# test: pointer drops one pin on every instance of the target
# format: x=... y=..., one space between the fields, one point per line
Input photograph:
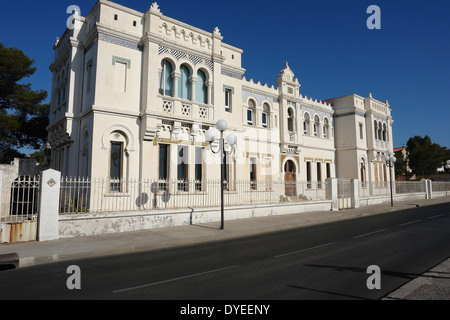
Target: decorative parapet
x=315 y=102
x=258 y=85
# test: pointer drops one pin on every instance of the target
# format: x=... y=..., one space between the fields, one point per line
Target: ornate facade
x=134 y=93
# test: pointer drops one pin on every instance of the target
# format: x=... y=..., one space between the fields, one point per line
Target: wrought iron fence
x=104 y=195
x=440 y=186
x=367 y=189
x=409 y=187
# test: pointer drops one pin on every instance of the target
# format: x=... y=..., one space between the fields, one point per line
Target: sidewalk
x=33 y=253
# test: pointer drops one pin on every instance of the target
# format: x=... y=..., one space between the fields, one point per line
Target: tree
x=424 y=156
x=23 y=117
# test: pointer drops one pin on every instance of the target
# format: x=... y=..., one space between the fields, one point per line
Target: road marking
x=368 y=234
x=439 y=215
x=316 y=247
x=172 y=280
x=411 y=222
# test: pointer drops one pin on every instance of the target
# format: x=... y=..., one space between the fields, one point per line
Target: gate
x=344 y=194
x=19 y=213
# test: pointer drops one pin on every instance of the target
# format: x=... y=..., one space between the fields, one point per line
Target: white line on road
x=316 y=247
x=411 y=222
x=368 y=234
x=172 y=280
x=439 y=215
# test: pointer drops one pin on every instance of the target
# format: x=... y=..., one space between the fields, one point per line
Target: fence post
x=332 y=193
x=430 y=189
x=425 y=182
x=48 y=214
x=355 y=193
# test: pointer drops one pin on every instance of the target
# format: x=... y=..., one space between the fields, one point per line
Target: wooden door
x=290 y=179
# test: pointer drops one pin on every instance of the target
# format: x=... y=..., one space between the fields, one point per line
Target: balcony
x=186 y=110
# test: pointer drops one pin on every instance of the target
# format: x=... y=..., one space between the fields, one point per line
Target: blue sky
x=326 y=43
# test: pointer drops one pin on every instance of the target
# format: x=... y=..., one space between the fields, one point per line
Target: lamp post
x=210 y=137
x=390 y=162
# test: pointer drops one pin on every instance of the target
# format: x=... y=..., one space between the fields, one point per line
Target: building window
x=184 y=83
x=163 y=167
x=361 y=131
x=251 y=112
x=316 y=126
x=319 y=175
x=228 y=95
x=264 y=120
x=291 y=120
x=265 y=115
x=166 y=81
x=328 y=170
x=375 y=127
x=308 y=174
x=201 y=91
x=253 y=182
x=306 y=124
x=198 y=168
x=183 y=184
x=325 y=128
x=384 y=132
x=116 y=17
x=89 y=76
x=380 y=131
x=363 y=174
x=249 y=117
x=115 y=169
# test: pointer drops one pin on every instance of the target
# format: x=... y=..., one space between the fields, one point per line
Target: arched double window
x=166 y=80
x=201 y=90
x=291 y=118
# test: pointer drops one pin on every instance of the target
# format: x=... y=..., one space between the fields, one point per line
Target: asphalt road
x=327 y=261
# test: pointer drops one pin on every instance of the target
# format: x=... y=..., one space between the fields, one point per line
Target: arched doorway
x=363 y=173
x=290 y=178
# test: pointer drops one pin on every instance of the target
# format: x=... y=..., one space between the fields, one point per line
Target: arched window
x=251 y=112
x=166 y=80
x=325 y=128
x=375 y=128
x=384 y=132
x=184 y=83
x=291 y=118
x=266 y=115
x=316 y=126
x=363 y=173
x=380 y=131
x=63 y=87
x=201 y=91
x=118 y=161
x=306 y=124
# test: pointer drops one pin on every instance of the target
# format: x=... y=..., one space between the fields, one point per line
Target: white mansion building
x=134 y=93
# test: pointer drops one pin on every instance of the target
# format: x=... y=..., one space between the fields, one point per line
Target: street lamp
x=210 y=137
x=390 y=162
x=447 y=165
